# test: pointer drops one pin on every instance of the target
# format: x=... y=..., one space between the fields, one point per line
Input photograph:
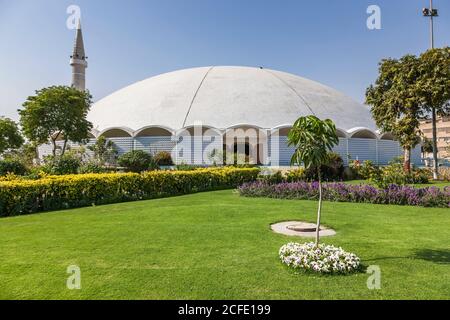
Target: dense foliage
x=60 y=192
x=331 y=170
x=137 y=161
x=408 y=90
x=341 y=192
x=163 y=158
x=395 y=103
x=68 y=163
x=12 y=167
x=10 y=137
x=433 y=90
x=391 y=174
x=92 y=166
x=57 y=112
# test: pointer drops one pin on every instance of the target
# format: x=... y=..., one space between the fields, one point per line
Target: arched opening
x=153 y=132
x=154 y=140
x=388 y=136
x=116 y=133
x=245 y=144
x=364 y=134
x=205 y=131
x=341 y=133
x=121 y=137
x=281 y=131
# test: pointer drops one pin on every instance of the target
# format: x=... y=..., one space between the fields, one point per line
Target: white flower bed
x=322 y=259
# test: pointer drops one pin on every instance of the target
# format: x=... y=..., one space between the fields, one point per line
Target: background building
x=241 y=109
x=443 y=134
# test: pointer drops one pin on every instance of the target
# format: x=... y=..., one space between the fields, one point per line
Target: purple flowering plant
x=342 y=192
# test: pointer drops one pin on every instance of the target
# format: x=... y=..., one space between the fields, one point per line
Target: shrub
x=104 y=151
x=69 y=163
x=61 y=192
x=271 y=177
x=12 y=166
x=444 y=173
x=319 y=259
x=137 y=161
x=368 y=170
x=332 y=171
x=163 y=158
x=91 y=167
x=341 y=192
x=395 y=174
x=187 y=167
x=278 y=176
x=10 y=177
x=295 y=175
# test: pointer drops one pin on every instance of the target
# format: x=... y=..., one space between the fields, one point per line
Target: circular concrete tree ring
x=301 y=229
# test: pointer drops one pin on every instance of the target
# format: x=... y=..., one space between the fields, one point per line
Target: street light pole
x=431 y=13
x=432 y=24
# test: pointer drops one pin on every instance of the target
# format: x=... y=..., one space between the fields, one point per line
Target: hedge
x=71 y=191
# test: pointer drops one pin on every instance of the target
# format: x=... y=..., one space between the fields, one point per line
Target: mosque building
x=195 y=113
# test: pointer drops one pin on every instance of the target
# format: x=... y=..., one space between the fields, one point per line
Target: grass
x=219 y=246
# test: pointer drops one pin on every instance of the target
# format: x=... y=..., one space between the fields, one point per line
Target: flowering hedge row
x=341 y=192
x=60 y=192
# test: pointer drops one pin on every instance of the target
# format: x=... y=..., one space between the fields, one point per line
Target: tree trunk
x=54 y=147
x=319 y=211
x=407 y=161
x=435 y=148
x=64 y=147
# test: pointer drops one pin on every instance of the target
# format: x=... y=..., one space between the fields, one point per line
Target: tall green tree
x=10 y=137
x=56 y=113
x=433 y=89
x=313 y=139
x=395 y=103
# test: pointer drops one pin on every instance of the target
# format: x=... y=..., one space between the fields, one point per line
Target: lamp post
x=431 y=13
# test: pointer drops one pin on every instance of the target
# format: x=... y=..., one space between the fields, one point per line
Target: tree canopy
x=313 y=139
x=56 y=113
x=395 y=103
x=10 y=137
x=433 y=85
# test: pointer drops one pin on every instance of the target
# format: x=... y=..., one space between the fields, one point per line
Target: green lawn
x=219 y=246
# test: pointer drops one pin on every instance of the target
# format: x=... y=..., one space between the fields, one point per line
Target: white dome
x=224 y=97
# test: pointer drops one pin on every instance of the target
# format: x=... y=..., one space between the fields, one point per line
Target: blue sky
x=127 y=41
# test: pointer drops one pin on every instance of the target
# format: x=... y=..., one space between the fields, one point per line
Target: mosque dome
x=226 y=97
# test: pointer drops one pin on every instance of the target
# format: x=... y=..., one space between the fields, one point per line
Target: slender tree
x=395 y=103
x=313 y=139
x=56 y=113
x=10 y=137
x=427 y=146
x=433 y=89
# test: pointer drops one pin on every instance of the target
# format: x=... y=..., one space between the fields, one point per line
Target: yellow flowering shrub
x=19 y=197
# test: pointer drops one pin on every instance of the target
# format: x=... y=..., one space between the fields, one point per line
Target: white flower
x=322 y=259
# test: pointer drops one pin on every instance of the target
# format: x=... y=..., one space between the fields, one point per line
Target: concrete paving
x=291 y=228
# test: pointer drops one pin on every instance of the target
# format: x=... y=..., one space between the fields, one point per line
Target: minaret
x=78 y=61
